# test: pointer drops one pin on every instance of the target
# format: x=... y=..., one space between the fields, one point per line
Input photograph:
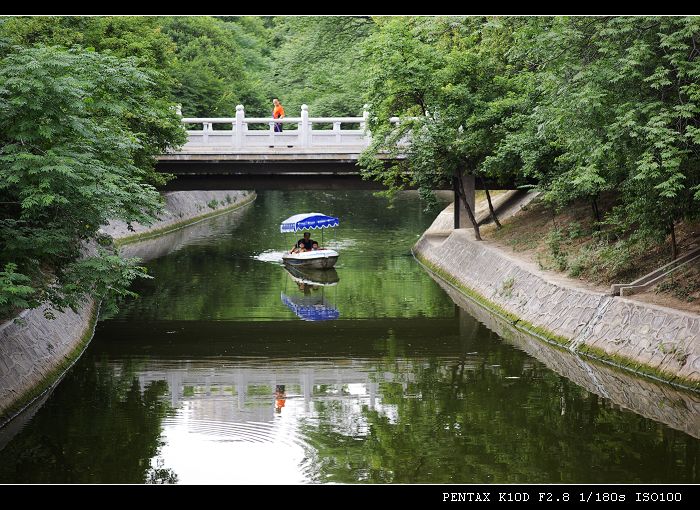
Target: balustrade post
x=364 y=124
x=305 y=134
x=206 y=127
x=238 y=135
x=336 y=130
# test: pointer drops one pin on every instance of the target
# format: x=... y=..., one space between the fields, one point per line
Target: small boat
x=313 y=259
x=316 y=259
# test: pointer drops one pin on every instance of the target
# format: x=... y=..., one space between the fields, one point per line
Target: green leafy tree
x=211 y=67
x=318 y=62
x=582 y=106
x=80 y=135
x=140 y=37
x=451 y=72
x=619 y=97
x=401 y=68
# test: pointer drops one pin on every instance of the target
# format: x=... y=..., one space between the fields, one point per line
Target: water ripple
x=269 y=256
x=244 y=432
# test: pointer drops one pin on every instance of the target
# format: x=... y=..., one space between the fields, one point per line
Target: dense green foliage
x=86 y=102
x=121 y=36
x=318 y=62
x=578 y=107
x=218 y=65
x=80 y=130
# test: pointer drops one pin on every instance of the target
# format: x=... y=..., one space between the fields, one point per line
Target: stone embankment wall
x=35 y=351
x=655 y=341
x=181 y=208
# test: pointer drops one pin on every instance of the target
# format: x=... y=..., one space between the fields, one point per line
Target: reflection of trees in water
x=160 y=476
x=461 y=420
x=110 y=438
x=169 y=244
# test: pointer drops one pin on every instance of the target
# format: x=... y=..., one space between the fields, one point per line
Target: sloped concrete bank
x=35 y=352
x=646 y=339
x=182 y=208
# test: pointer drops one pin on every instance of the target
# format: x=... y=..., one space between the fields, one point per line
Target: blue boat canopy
x=308 y=221
x=310 y=312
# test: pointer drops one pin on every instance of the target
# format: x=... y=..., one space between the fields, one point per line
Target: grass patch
x=683 y=285
x=507 y=287
x=571 y=242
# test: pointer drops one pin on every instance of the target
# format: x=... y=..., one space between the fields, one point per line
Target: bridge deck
x=270 y=154
x=303 y=158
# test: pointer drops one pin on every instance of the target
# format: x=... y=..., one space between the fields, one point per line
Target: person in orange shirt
x=277 y=113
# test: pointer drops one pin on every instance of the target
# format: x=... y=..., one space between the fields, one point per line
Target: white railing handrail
x=261 y=120
x=330 y=120
x=302 y=135
x=265 y=120
x=232 y=120
x=211 y=120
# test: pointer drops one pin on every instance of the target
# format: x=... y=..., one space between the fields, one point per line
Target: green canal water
x=215 y=374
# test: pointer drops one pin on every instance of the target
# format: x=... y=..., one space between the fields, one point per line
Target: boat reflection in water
x=308 y=296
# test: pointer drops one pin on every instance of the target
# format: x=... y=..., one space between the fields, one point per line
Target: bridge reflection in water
x=259 y=357
x=260 y=354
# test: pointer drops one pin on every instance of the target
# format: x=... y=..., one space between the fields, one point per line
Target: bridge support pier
x=461 y=217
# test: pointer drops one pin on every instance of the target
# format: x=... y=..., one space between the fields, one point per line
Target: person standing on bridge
x=277 y=113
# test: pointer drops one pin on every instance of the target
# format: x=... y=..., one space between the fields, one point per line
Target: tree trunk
x=596 y=211
x=674 y=246
x=488 y=199
x=463 y=195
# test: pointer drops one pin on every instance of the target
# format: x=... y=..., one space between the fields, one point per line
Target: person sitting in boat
x=315 y=246
x=306 y=242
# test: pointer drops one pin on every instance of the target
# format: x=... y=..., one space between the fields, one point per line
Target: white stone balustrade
x=298 y=133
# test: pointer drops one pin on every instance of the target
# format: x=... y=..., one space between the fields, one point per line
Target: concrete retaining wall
x=647 y=339
x=181 y=208
x=35 y=351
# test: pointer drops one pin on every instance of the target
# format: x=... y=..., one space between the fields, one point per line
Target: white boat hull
x=316 y=259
